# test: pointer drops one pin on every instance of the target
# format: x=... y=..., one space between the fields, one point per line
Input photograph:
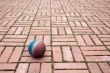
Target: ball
x=36 y=49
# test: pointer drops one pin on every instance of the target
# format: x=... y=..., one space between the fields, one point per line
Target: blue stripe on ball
x=31 y=46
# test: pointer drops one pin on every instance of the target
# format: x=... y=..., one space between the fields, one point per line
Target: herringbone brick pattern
x=76 y=34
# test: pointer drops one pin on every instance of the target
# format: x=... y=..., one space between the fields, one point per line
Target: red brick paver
x=76 y=34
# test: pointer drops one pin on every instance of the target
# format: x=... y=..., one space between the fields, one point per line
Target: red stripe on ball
x=39 y=50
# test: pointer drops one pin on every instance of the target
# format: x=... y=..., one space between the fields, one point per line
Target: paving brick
x=3 y=30
x=1 y=50
x=68 y=30
x=71 y=71
x=6 y=71
x=94 y=48
x=32 y=60
x=44 y=18
x=91 y=53
x=61 y=30
x=46 y=68
x=84 y=24
x=54 y=30
x=85 y=18
x=59 y=18
x=80 y=40
x=15 y=36
x=96 y=18
x=19 y=30
x=57 y=56
x=72 y=23
x=106 y=43
x=10 y=44
x=22 y=68
x=1 y=36
x=88 y=40
x=47 y=40
x=77 y=54
x=29 y=39
x=4 y=23
x=7 y=66
x=47 y=23
x=75 y=18
x=96 y=24
x=16 y=54
x=47 y=54
x=40 y=37
x=26 y=54
x=64 y=43
x=103 y=31
x=41 y=23
x=64 y=18
x=95 y=30
x=40 y=30
x=106 y=23
x=82 y=30
x=13 y=40
x=67 y=55
x=108 y=47
x=26 y=31
x=105 y=39
x=53 y=18
x=7 y=22
x=35 y=23
x=94 y=68
x=105 y=67
x=12 y=30
x=69 y=66
x=78 y=23
x=34 y=68
x=23 y=23
x=96 y=40
x=6 y=54
x=98 y=58
x=90 y=18
x=13 y=14
x=60 y=24
x=63 y=40
x=72 y=14
x=9 y=40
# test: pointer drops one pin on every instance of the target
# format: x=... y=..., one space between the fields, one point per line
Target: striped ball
x=37 y=49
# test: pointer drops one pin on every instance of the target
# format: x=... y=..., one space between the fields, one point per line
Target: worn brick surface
x=70 y=66
x=76 y=34
x=57 y=55
x=46 y=68
x=94 y=68
x=34 y=67
x=22 y=68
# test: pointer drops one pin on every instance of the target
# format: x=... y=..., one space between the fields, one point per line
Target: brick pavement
x=76 y=34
